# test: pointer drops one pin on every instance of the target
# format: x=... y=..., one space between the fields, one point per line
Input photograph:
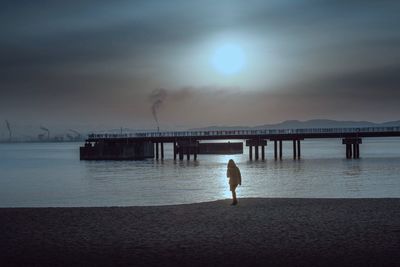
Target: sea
x=51 y=175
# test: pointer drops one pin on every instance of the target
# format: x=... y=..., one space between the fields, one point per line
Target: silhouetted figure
x=235 y=179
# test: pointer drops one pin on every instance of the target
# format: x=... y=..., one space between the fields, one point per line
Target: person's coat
x=235 y=178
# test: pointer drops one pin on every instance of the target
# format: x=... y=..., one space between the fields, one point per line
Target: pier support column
x=358 y=151
x=256 y=143
x=195 y=153
x=298 y=149
x=352 y=147
x=175 y=152
x=294 y=149
x=162 y=150
x=256 y=152
x=263 y=152
x=276 y=149
x=157 y=156
x=280 y=149
x=188 y=153
x=180 y=152
x=348 y=151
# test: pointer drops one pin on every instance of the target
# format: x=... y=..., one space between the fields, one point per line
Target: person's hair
x=231 y=164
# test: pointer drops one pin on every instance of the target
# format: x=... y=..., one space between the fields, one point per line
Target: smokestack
x=47 y=130
x=157 y=97
x=9 y=130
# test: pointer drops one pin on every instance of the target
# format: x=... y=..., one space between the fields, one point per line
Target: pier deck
x=186 y=142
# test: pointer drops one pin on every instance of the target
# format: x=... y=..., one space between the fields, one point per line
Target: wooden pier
x=186 y=143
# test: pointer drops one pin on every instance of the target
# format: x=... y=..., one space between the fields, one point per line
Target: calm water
x=33 y=175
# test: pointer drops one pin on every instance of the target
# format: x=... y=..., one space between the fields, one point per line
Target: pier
x=136 y=146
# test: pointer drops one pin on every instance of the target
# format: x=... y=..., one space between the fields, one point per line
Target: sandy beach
x=261 y=232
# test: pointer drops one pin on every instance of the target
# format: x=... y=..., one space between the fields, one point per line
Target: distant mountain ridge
x=295 y=124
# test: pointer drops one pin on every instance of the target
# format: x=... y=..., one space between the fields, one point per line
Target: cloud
x=371 y=83
x=99 y=61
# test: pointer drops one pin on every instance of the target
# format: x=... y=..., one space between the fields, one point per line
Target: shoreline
x=259 y=232
x=196 y=203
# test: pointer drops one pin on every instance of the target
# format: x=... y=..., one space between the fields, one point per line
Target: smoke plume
x=47 y=130
x=75 y=132
x=157 y=98
x=9 y=129
x=44 y=129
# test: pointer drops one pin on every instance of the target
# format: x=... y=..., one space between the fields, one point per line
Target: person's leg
x=234 y=197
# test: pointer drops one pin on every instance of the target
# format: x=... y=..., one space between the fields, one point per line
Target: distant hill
x=295 y=124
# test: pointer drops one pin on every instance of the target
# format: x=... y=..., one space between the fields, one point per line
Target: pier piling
x=175 y=152
x=358 y=150
x=180 y=153
x=350 y=151
x=256 y=143
x=294 y=149
x=263 y=152
x=352 y=147
x=256 y=152
x=156 y=144
x=188 y=153
x=298 y=149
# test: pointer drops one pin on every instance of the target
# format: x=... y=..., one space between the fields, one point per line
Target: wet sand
x=257 y=232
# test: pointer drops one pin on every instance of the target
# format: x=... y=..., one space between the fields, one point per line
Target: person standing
x=235 y=179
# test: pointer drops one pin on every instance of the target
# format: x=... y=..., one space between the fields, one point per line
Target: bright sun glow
x=228 y=59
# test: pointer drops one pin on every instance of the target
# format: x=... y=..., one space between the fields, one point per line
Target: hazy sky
x=94 y=64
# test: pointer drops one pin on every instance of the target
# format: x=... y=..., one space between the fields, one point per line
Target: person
x=235 y=179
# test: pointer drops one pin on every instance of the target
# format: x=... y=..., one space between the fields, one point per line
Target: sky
x=92 y=65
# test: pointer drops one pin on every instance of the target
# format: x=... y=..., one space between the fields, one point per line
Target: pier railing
x=216 y=133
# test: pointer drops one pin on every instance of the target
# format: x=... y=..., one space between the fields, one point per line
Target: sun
x=228 y=59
